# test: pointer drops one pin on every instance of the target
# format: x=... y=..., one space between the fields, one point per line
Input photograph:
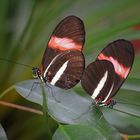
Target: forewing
x=69 y=34
x=66 y=69
x=97 y=79
x=121 y=54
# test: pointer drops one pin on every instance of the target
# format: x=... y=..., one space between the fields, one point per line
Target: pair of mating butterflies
x=63 y=63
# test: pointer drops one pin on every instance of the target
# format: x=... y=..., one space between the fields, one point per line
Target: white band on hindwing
x=100 y=86
x=59 y=73
x=45 y=72
x=109 y=93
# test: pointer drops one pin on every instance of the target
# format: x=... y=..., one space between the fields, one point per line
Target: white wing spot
x=59 y=73
x=50 y=65
x=108 y=94
x=100 y=86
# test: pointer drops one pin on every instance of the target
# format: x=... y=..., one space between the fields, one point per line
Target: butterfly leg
x=52 y=93
x=35 y=84
x=112 y=103
x=87 y=110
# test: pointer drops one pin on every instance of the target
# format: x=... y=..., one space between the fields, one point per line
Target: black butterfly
x=63 y=62
x=104 y=77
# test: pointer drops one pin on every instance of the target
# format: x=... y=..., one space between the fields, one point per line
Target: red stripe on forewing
x=121 y=70
x=63 y=44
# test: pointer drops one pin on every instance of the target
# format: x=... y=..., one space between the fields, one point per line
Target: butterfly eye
x=35 y=72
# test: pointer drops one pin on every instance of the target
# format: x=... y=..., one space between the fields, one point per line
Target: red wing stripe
x=119 y=68
x=63 y=44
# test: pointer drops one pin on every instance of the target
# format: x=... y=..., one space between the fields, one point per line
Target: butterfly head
x=36 y=72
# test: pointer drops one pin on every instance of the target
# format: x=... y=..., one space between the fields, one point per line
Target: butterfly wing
x=97 y=79
x=66 y=69
x=69 y=34
x=121 y=54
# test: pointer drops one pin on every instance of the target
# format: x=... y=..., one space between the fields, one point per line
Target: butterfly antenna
x=14 y=62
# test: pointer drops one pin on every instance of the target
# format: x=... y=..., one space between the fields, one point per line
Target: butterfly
x=63 y=61
x=104 y=77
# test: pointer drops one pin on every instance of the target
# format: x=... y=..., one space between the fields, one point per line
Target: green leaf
x=122 y=121
x=126 y=113
x=77 y=132
x=2 y=133
x=132 y=84
x=83 y=132
x=65 y=106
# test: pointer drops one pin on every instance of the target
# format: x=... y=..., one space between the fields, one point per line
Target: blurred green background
x=25 y=27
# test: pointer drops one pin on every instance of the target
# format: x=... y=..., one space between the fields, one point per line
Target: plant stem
x=133 y=136
x=129 y=137
x=45 y=111
x=19 y=107
x=6 y=91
